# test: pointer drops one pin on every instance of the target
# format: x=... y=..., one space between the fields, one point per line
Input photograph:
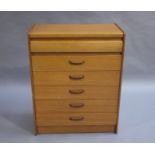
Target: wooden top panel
x=75 y=31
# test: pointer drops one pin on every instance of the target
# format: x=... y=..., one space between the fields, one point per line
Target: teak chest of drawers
x=76 y=76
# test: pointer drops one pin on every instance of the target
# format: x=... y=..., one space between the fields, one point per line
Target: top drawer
x=80 y=62
x=76 y=45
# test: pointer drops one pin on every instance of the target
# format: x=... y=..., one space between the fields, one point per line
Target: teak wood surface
x=75 y=129
x=75 y=31
x=76 y=106
x=88 y=62
x=76 y=72
x=76 y=45
x=104 y=78
x=79 y=92
x=49 y=119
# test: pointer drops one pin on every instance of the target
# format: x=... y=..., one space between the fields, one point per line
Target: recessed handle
x=76 y=118
x=76 y=105
x=76 y=62
x=76 y=91
x=76 y=77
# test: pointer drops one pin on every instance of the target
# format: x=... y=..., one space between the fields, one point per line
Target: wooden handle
x=76 y=77
x=76 y=105
x=76 y=118
x=76 y=91
x=76 y=63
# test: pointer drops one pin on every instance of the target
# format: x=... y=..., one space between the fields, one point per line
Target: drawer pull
x=76 y=77
x=76 y=91
x=76 y=63
x=76 y=118
x=76 y=105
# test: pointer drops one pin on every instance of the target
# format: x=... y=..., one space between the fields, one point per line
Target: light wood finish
x=121 y=75
x=54 y=106
x=61 y=119
x=76 y=45
x=104 y=78
x=75 y=31
x=95 y=62
x=76 y=72
x=81 y=92
x=78 y=129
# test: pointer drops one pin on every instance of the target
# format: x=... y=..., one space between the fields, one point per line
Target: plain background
x=137 y=111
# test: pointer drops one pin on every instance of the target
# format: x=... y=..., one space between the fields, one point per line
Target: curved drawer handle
x=76 y=105
x=76 y=77
x=76 y=63
x=76 y=118
x=76 y=91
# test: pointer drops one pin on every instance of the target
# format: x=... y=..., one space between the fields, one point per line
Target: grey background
x=137 y=112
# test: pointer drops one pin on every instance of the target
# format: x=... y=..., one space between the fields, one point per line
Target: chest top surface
x=75 y=31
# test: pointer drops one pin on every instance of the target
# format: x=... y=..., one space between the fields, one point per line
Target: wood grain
x=121 y=75
x=52 y=106
x=76 y=45
x=61 y=62
x=89 y=92
x=74 y=129
x=104 y=78
x=76 y=76
x=75 y=31
x=61 y=119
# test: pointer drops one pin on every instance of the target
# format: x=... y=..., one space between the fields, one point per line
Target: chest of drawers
x=76 y=76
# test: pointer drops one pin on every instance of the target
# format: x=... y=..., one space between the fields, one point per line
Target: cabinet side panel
x=31 y=78
x=121 y=74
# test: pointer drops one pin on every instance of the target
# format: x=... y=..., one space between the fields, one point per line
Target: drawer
x=76 y=129
x=82 y=62
x=76 y=45
x=104 y=78
x=49 y=119
x=75 y=92
x=50 y=106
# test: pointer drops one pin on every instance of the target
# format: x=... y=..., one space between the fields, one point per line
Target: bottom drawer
x=49 y=119
x=76 y=129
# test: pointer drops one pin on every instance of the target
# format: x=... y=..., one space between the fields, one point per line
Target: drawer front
x=50 y=119
x=75 y=92
x=47 y=106
x=77 y=128
x=76 y=45
x=104 y=78
x=76 y=62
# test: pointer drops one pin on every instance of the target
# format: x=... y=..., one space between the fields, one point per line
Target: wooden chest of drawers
x=76 y=76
